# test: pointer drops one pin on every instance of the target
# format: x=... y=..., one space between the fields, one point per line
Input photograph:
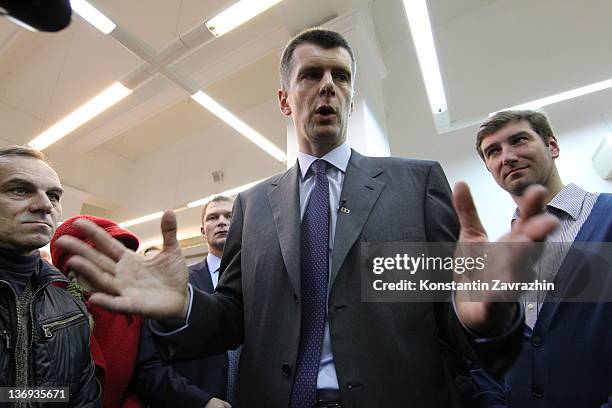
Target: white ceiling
x=157 y=148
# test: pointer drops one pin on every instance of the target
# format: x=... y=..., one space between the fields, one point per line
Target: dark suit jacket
x=566 y=360
x=186 y=384
x=385 y=354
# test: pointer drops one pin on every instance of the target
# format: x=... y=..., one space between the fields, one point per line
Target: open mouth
x=325 y=110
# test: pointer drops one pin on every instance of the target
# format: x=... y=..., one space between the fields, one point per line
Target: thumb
x=168 y=230
x=466 y=210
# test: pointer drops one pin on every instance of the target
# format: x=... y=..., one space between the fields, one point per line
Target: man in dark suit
x=519 y=148
x=290 y=287
x=200 y=382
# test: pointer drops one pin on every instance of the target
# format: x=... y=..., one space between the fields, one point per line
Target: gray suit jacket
x=385 y=354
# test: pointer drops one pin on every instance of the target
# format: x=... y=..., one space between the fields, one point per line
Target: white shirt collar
x=569 y=200
x=338 y=157
x=213 y=262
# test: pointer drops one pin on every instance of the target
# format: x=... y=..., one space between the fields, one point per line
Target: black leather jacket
x=59 y=351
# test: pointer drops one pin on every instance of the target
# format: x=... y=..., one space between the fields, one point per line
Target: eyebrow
x=316 y=66
x=512 y=136
x=519 y=133
x=17 y=181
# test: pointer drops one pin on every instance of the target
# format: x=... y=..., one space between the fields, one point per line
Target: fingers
x=102 y=240
x=168 y=229
x=538 y=227
x=532 y=201
x=93 y=274
x=466 y=210
x=117 y=304
x=77 y=247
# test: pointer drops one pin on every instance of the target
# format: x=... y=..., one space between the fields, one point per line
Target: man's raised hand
x=127 y=282
x=512 y=261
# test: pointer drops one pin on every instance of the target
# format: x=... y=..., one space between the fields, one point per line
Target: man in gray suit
x=290 y=286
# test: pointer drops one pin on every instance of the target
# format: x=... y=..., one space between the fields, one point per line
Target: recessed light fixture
x=228 y=193
x=82 y=114
x=228 y=117
x=93 y=16
x=237 y=14
x=563 y=96
x=140 y=220
x=422 y=36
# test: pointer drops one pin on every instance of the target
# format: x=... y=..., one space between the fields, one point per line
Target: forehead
x=28 y=168
x=312 y=55
x=218 y=207
x=508 y=130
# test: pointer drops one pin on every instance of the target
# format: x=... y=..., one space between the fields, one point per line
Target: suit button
x=296 y=298
x=537 y=391
x=286 y=369
x=536 y=341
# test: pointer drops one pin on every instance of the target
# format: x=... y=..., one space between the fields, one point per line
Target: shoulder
x=401 y=167
x=198 y=267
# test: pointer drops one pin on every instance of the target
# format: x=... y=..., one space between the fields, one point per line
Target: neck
x=552 y=189
x=15 y=253
x=318 y=149
x=215 y=251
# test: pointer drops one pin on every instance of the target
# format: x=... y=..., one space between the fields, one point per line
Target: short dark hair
x=22 y=151
x=214 y=200
x=322 y=37
x=538 y=122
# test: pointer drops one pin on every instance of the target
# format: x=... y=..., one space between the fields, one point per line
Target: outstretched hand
x=511 y=263
x=127 y=282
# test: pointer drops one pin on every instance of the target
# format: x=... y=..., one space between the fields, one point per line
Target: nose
x=508 y=156
x=328 y=88
x=223 y=220
x=40 y=202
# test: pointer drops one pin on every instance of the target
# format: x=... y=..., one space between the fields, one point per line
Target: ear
x=202 y=231
x=553 y=147
x=283 y=102
x=352 y=107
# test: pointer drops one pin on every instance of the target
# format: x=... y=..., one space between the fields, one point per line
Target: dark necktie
x=315 y=271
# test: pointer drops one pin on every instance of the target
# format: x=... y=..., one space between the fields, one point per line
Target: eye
x=54 y=197
x=492 y=152
x=341 y=76
x=20 y=191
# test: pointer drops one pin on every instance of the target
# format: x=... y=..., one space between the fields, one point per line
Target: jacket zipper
x=64 y=322
x=5 y=333
x=7 y=338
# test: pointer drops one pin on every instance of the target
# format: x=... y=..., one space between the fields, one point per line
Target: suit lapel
x=359 y=194
x=201 y=277
x=285 y=202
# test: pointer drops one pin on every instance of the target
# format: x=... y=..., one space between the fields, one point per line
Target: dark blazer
x=385 y=354
x=566 y=360
x=180 y=383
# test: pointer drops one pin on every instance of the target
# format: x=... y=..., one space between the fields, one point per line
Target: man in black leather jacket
x=44 y=331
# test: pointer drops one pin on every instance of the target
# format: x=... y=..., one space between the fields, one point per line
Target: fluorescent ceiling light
x=197 y=203
x=93 y=16
x=563 y=96
x=140 y=220
x=88 y=110
x=229 y=193
x=216 y=109
x=420 y=27
x=237 y=14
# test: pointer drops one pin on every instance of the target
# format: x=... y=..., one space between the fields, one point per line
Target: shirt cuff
x=518 y=322
x=162 y=329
